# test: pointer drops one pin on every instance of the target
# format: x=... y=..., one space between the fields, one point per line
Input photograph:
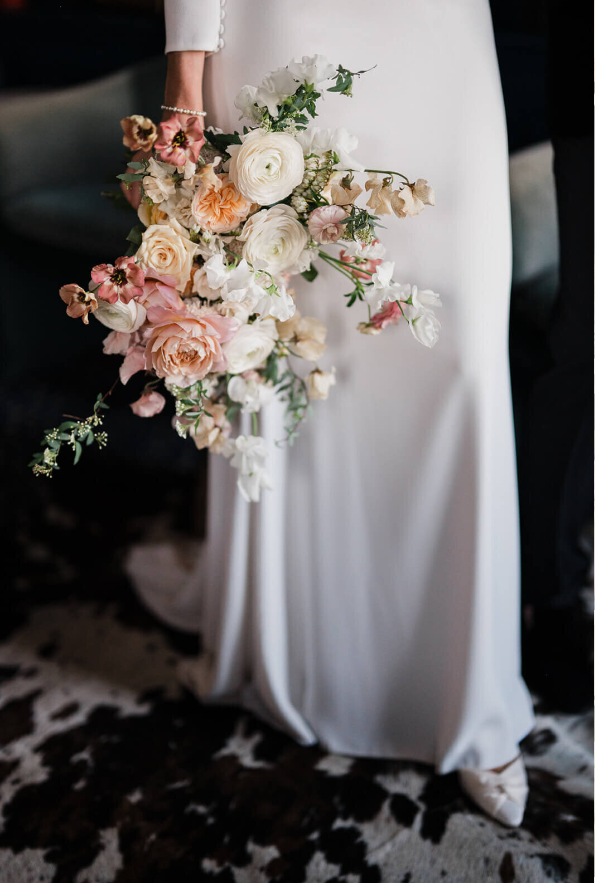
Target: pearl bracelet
x=192 y=113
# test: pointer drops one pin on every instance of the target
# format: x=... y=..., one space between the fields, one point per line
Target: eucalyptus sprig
x=73 y=433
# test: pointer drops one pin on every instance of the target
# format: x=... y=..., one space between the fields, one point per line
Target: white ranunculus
x=274 y=89
x=312 y=69
x=158 y=184
x=320 y=141
x=166 y=247
x=266 y=166
x=276 y=236
x=319 y=383
x=422 y=321
x=251 y=394
x=245 y=102
x=250 y=346
x=121 y=317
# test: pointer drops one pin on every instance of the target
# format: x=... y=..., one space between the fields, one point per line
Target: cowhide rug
x=110 y=771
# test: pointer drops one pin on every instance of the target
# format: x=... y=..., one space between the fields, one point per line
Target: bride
x=370 y=601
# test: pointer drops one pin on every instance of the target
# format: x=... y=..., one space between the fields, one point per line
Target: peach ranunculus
x=80 y=302
x=325 y=223
x=149 y=404
x=219 y=208
x=140 y=133
x=122 y=281
x=177 y=143
x=183 y=348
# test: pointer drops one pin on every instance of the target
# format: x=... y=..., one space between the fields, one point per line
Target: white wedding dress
x=371 y=600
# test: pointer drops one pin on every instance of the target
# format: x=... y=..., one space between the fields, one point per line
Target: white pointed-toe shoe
x=503 y=796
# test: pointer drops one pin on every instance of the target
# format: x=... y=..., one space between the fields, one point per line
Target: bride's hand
x=183 y=88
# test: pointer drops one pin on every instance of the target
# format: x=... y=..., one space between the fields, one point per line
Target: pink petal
x=134 y=361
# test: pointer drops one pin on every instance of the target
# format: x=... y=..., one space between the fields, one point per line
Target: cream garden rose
x=276 y=236
x=166 y=247
x=266 y=166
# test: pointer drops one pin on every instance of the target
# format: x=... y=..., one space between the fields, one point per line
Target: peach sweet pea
x=219 y=208
x=184 y=349
x=178 y=143
x=121 y=281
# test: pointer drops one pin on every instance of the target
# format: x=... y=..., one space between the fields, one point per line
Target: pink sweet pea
x=177 y=143
x=120 y=282
x=159 y=290
x=388 y=315
x=149 y=404
x=134 y=361
x=364 y=270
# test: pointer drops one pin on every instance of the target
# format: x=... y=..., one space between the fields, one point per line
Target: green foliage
x=189 y=405
x=73 y=433
x=310 y=275
x=221 y=142
x=344 y=80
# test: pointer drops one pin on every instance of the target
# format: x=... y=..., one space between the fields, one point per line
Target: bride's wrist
x=183 y=85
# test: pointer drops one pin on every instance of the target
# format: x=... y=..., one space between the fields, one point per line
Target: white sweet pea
x=422 y=321
x=158 y=184
x=248 y=454
x=312 y=69
x=125 y=318
x=277 y=303
x=274 y=89
x=249 y=286
x=370 y=252
x=245 y=101
x=320 y=382
x=320 y=141
x=383 y=276
x=250 y=346
x=250 y=393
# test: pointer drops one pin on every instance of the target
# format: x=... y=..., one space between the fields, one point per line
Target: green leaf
x=129 y=177
x=90 y=438
x=222 y=142
x=136 y=234
x=68 y=424
x=78 y=450
x=136 y=165
x=310 y=275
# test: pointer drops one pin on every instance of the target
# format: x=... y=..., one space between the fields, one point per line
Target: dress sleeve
x=194 y=24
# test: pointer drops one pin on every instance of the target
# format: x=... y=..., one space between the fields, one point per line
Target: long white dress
x=370 y=601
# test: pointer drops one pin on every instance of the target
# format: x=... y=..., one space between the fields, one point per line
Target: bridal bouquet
x=201 y=301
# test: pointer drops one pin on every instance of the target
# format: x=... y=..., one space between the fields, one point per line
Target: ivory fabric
x=371 y=600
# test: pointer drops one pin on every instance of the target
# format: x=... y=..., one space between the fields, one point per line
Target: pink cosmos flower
x=159 y=290
x=364 y=270
x=325 y=223
x=149 y=404
x=388 y=315
x=177 y=143
x=183 y=348
x=80 y=302
x=120 y=282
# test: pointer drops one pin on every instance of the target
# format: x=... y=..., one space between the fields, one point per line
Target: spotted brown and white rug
x=110 y=771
